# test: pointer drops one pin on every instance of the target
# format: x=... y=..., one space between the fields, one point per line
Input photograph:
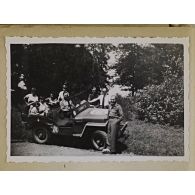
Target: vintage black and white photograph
x=96 y=99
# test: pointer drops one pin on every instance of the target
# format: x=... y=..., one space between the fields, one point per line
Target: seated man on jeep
x=34 y=110
x=66 y=106
x=43 y=107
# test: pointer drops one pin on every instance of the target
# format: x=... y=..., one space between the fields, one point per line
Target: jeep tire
x=41 y=135
x=99 y=140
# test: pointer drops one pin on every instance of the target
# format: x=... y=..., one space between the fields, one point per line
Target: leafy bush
x=162 y=103
x=127 y=104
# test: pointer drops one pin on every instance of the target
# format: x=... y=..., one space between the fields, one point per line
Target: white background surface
x=97 y=12
x=97 y=183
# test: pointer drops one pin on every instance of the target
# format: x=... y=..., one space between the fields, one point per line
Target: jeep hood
x=93 y=115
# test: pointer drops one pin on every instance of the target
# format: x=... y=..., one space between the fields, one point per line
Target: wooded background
x=152 y=73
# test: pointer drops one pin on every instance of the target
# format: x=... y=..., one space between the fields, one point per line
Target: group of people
x=38 y=106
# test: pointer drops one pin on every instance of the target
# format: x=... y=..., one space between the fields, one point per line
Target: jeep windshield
x=83 y=106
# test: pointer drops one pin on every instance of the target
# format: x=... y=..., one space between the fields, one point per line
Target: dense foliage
x=154 y=74
x=162 y=103
x=48 y=66
x=143 y=65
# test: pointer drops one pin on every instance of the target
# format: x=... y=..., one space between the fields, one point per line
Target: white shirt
x=61 y=95
x=22 y=85
x=30 y=98
x=43 y=108
x=100 y=98
x=33 y=111
x=65 y=105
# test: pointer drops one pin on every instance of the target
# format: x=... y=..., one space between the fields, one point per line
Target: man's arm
x=89 y=98
x=94 y=100
x=25 y=98
x=72 y=105
x=59 y=97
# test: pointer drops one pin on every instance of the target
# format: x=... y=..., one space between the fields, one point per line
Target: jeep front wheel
x=40 y=135
x=99 y=140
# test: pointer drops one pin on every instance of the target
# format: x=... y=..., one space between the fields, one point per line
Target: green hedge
x=163 y=103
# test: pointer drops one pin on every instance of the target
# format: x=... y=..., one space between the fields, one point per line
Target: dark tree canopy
x=48 y=66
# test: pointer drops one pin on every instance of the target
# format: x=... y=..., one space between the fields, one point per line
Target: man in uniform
x=115 y=114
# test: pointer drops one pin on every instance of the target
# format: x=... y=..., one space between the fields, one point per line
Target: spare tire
x=99 y=140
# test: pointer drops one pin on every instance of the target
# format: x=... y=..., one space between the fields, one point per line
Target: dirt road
x=32 y=149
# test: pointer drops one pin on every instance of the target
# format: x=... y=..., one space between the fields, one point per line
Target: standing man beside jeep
x=115 y=114
x=93 y=95
x=103 y=99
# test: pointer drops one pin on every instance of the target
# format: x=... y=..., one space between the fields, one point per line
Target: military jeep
x=86 y=121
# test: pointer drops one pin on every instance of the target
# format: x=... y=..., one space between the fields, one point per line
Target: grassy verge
x=154 y=140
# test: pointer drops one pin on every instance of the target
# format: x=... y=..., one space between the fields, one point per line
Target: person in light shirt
x=21 y=83
x=21 y=90
x=66 y=106
x=93 y=95
x=51 y=100
x=103 y=99
x=61 y=94
x=31 y=97
x=34 y=110
x=43 y=107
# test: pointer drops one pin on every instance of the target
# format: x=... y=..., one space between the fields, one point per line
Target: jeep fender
x=91 y=124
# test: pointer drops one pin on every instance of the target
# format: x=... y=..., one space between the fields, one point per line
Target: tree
x=142 y=65
x=48 y=66
x=100 y=63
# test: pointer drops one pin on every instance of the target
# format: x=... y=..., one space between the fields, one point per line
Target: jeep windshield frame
x=82 y=107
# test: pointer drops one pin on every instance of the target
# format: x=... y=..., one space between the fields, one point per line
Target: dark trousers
x=113 y=128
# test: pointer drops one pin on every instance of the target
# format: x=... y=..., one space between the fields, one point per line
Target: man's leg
x=113 y=135
x=109 y=134
x=107 y=149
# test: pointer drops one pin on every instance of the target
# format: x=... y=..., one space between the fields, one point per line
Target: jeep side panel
x=91 y=126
